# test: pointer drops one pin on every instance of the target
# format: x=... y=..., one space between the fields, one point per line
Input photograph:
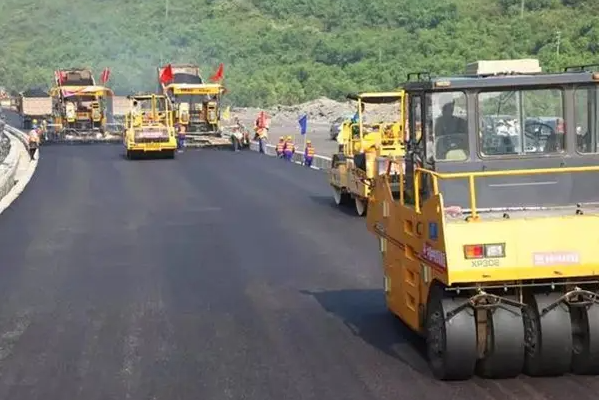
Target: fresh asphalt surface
x=217 y=275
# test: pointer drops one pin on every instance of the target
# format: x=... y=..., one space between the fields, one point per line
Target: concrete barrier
x=319 y=162
x=10 y=187
x=8 y=168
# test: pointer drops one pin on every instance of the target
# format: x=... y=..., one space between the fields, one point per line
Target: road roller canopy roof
x=71 y=91
x=376 y=97
x=494 y=74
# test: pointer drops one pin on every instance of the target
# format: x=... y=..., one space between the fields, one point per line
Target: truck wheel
x=341 y=198
x=361 y=206
x=450 y=340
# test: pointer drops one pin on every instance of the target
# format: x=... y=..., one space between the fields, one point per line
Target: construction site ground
x=215 y=276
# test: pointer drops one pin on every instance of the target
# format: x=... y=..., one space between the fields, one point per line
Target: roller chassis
x=351 y=184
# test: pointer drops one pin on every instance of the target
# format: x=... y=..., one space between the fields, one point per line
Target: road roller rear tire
x=361 y=206
x=450 y=343
x=340 y=197
x=585 y=328
x=548 y=338
x=504 y=355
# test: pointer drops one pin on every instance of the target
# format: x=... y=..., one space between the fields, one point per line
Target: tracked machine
x=489 y=248
x=354 y=166
x=196 y=105
x=80 y=109
x=149 y=129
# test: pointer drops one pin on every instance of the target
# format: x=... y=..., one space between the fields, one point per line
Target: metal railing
x=471 y=177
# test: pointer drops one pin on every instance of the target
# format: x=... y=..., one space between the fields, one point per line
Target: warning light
x=476 y=251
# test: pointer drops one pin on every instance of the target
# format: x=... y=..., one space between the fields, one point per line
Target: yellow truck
x=149 y=127
x=79 y=107
x=489 y=249
x=196 y=105
x=354 y=166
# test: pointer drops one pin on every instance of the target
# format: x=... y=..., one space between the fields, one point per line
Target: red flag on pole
x=59 y=77
x=105 y=75
x=219 y=74
x=166 y=75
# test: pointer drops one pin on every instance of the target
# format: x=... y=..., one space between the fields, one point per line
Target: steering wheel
x=454 y=141
x=538 y=131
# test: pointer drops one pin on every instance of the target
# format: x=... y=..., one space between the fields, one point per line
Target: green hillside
x=287 y=51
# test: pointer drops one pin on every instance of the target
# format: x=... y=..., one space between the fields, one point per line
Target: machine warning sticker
x=434 y=256
x=556 y=258
x=433 y=231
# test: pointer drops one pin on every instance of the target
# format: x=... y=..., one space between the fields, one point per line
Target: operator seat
x=452 y=147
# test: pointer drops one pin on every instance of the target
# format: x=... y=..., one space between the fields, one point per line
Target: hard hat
x=288 y=137
x=281 y=138
x=308 y=142
x=35 y=121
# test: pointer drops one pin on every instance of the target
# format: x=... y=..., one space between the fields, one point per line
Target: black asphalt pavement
x=214 y=276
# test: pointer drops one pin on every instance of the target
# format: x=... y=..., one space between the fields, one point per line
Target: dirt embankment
x=322 y=111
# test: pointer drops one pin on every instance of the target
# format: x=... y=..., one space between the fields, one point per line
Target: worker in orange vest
x=280 y=147
x=309 y=154
x=33 y=140
x=289 y=149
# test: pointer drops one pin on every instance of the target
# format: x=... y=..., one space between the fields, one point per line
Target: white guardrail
x=8 y=168
x=319 y=162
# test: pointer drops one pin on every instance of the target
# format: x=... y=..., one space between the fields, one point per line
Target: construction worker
x=237 y=136
x=181 y=132
x=262 y=125
x=280 y=147
x=33 y=140
x=45 y=129
x=289 y=149
x=308 y=154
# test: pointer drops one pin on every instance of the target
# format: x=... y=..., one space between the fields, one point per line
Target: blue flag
x=303 y=123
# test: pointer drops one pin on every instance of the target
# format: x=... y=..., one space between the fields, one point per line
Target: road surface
x=217 y=275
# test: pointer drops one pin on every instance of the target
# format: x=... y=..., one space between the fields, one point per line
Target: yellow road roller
x=489 y=248
x=149 y=129
x=353 y=166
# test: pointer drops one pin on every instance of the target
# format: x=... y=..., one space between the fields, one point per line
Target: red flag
x=219 y=74
x=105 y=75
x=59 y=76
x=166 y=75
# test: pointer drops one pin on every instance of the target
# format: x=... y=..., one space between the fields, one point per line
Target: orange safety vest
x=289 y=146
x=34 y=138
x=309 y=151
x=280 y=146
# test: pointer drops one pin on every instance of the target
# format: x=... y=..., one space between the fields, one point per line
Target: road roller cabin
x=490 y=251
